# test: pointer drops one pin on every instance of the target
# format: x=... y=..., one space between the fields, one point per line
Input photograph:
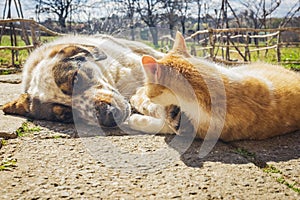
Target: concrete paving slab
x=9 y=92
x=11 y=78
x=9 y=124
x=65 y=168
x=10 y=89
x=281 y=155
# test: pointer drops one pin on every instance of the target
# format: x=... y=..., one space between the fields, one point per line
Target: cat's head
x=167 y=79
x=170 y=83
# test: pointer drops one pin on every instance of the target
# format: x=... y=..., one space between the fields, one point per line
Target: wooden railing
x=28 y=29
x=220 y=44
x=229 y=46
x=239 y=45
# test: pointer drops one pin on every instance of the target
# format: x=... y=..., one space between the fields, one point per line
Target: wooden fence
x=229 y=46
x=240 y=45
x=28 y=29
x=221 y=44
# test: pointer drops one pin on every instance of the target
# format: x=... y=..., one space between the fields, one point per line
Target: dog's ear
x=67 y=72
x=20 y=106
x=77 y=52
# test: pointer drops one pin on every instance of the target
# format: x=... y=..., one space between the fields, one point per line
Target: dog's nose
x=108 y=115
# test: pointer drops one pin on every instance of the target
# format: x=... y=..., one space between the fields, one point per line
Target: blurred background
x=229 y=31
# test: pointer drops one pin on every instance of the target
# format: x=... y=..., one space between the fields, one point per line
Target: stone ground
x=46 y=161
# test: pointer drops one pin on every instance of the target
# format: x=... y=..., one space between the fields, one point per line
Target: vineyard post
x=211 y=42
x=278 y=47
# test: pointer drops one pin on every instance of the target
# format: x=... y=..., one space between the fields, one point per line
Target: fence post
x=227 y=45
x=278 y=47
x=211 y=42
x=247 y=52
x=35 y=41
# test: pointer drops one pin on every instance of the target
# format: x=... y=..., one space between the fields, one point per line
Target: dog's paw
x=21 y=106
x=62 y=113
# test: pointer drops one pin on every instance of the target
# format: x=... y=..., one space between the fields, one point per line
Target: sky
x=29 y=7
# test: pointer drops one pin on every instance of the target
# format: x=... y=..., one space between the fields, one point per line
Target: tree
x=258 y=11
x=62 y=8
x=129 y=9
x=183 y=10
x=170 y=13
x=199 y=9
x=149 y=12
x=290 y=14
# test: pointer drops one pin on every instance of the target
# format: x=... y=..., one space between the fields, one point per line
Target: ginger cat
x=193 y=96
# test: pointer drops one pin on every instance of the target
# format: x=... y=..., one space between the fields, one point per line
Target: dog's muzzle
x=109 y=115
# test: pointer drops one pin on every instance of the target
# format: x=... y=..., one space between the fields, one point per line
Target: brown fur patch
x=21 y=106
x=104 y=98
x=71 y=50
x=154 y=90
x=67 y=50
x=63 y=74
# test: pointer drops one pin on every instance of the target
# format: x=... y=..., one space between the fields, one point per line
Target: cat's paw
x=142 y=104
x=147 y=124
x=138 y=99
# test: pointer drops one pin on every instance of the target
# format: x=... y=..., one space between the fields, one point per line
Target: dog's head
x=80 y=73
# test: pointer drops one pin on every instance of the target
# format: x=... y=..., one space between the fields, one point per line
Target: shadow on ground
x=276 y=149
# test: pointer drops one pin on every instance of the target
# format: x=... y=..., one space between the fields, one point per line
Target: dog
x=91 y=77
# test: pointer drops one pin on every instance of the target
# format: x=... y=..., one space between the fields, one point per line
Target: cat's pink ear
x=180 y=45
x=151 y=67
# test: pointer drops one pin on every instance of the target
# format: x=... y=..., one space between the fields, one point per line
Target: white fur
x=123 y=61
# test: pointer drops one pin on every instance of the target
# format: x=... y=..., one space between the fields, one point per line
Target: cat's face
x=164 y=81
x=158 y=82
x=170 y=83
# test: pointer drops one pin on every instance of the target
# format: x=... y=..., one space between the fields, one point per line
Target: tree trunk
x=199 y=4
x=62 y=22
x=154 y=34
x=183 y=26
x=171 y=27
x=132 y=33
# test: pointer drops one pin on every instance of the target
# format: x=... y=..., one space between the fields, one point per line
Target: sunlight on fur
x=262 y=100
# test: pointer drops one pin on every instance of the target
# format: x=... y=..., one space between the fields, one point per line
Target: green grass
x=3 y=142
x=7 y=165
x=8 y=71
x=289 y=185
x=288 y=54
x=5 y=72
x=270 y=56
x=244 y=152
x=270 y=169
x=5 y=55
x=26 y=128
x=57 y=137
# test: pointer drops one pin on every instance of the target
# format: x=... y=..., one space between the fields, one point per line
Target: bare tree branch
x=291 y=13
